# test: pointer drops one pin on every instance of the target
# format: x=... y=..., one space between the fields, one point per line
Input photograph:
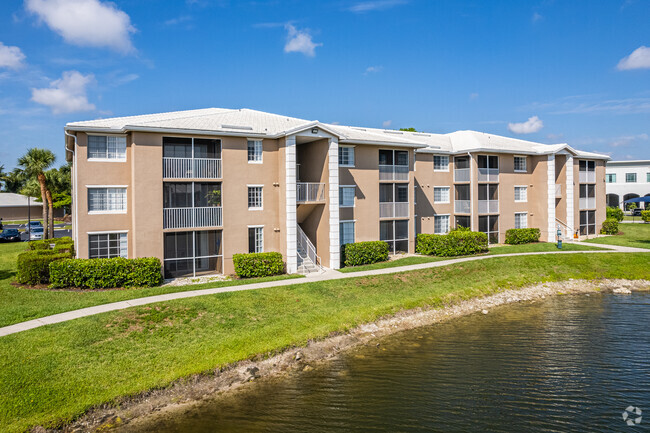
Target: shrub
x=365 y=253
x=258 y=264
x=522 y=236
x=456 y=243
x=34 y=266
x=610 y=227
x=645 y=216
x=64 y=244
x=615 y=212
x=105 y=273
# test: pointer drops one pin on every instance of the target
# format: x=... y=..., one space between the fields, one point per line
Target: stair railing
x=305 y=244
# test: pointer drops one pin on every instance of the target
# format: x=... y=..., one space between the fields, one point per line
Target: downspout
x=471 y=189
x=75 y=235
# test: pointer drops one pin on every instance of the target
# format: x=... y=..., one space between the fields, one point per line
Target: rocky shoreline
x=130 y=413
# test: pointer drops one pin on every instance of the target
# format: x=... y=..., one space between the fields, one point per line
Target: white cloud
x=178 y=20
x=386 y=123
x=90 y=23
x=533 y=124
x=537 y=17
x=473 y=96
x=67 y=94
x=627 y=139
x=373 y=69
x=376 y=5
x=299 y=41
x=639 y=59
x=11 y=57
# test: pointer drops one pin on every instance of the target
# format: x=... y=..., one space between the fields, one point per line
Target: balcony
x=558 y=190
x=192 y=217
x=393 y=172
x=488 y=174
x=587 y=177
x=394 y=210
x=488 y=206
x=191 y=168
x=461 y=175
x=587 y=203
x=462 y=206
x=310 y=192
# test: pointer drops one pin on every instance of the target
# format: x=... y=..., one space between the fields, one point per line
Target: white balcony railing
x=310 y=192
x=488 y=206
x=192 y=217
x=393 y=172
x=488 y=174
x=587 y=203
x=191 y=168
x=461 y=175
x=587 y=177
x=394 y=210
x=462 y=206
x=558 y=190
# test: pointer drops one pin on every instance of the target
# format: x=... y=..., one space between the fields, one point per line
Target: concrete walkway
x=328 y=275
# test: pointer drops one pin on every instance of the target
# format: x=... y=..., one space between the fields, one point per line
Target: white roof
x=9 y=199
x=253 y=123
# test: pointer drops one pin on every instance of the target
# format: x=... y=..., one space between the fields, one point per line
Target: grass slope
x=51 y=374
x=631 y=235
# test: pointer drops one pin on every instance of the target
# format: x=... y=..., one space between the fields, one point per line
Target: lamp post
x=559 y=237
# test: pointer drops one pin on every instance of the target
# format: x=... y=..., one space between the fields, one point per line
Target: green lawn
x=51 y=374
x=632 y=235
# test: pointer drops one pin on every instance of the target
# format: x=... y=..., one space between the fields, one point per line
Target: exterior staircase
x=308 y=262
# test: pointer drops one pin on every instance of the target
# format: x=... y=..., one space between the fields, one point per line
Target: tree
x=34 y=164
x=14 y=180
x=408 y=129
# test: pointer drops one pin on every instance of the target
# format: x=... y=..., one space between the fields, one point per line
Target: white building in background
x=625 y=180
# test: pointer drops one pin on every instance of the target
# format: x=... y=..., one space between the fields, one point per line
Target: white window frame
x=257 y=146
x=261 y=187
x=440 y=169
x=341 y=195
x=344 y=146
x=354 y=231
x=261 y=240
x=105 y=159
x=525 y=188
x=514 y=164
x=107 y=187
x=525 y=214
x=636 y=178
x=448 y=217
x=448 y=194
x=124 y=249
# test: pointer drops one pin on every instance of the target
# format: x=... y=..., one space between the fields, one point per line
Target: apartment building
x=625 y=180
x=195 y=187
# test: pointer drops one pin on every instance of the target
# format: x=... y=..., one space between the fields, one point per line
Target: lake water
x=569 y=363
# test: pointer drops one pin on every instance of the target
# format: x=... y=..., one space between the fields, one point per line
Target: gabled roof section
x=10 y=199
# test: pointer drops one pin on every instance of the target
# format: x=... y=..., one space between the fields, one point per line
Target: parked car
x=10 y=235
x=36 y=233
x=34 y=224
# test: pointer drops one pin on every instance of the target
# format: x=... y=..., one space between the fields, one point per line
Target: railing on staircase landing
x=305 y=244
x=568 y=231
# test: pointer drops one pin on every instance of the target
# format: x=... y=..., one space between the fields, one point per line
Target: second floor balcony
x=587 y=203
x=310 y=192
x=393 y=210
x=461 y=175
x=191 y=168
x=587 y=177
x=488 y=174
x=393 y=172
x=488 y=206
x=192 y=217
x=462 y=206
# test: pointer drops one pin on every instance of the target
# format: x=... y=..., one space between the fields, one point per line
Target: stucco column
x=570 y=217
x=550 y=194
x=290 y=180
x=333 y=165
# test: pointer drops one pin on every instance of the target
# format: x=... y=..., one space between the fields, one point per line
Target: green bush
x=522 y=236
x=645 y=216
x=33 y=267
x=258 y=264
x=62 y=245
x=105 y=273
x=365 y=253
x=616 y=213
x=456 y=243
x=610 y=227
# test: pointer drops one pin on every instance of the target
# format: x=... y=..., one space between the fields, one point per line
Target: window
x=107 y=245
x=489 y=224
x=440 y=163
x=647 y=177
x=490 y=162
x=587 y=166
x=255 y=197
x=611 y=177
x=440 y=224
x=346 y=232
x=441 y=194
x=346 y=156
x=183 y=147
x=255 y=151
x=106 y=147
x=587 y=222
x=488 y=191
x=191 y=194
x=396 y=234
x=521 y=193
x=587 y=191
x=193 y=253
x=393 y=157
x=107 y=200
x=521 y=220
x=463 y=221
x=520 y=164
x=393 y=192
x=346 y=196
x=256 y=239
x=630 y=177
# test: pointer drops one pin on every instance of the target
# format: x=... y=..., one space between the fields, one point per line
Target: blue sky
x=547 y=71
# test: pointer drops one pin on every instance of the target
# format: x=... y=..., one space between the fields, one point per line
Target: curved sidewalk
x=329 y=275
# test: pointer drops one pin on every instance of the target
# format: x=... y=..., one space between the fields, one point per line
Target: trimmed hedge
x=456 y=243
x=645 y=216
x=62 y=245
x=34 y=266
x=365 y=253
x=522 y=236
x=105 y=273
x=615 y=212
x=258 y=264
x=610 y=227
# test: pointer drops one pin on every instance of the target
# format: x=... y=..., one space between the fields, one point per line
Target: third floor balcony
x=393 y=172
x=310 y=192
x=191 y=168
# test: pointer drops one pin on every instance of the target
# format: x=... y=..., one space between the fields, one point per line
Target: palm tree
x=34 y=163
x=2 y=175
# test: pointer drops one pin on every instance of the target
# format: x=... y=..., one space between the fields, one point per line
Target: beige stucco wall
x=601 y=195
x=426 y=178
